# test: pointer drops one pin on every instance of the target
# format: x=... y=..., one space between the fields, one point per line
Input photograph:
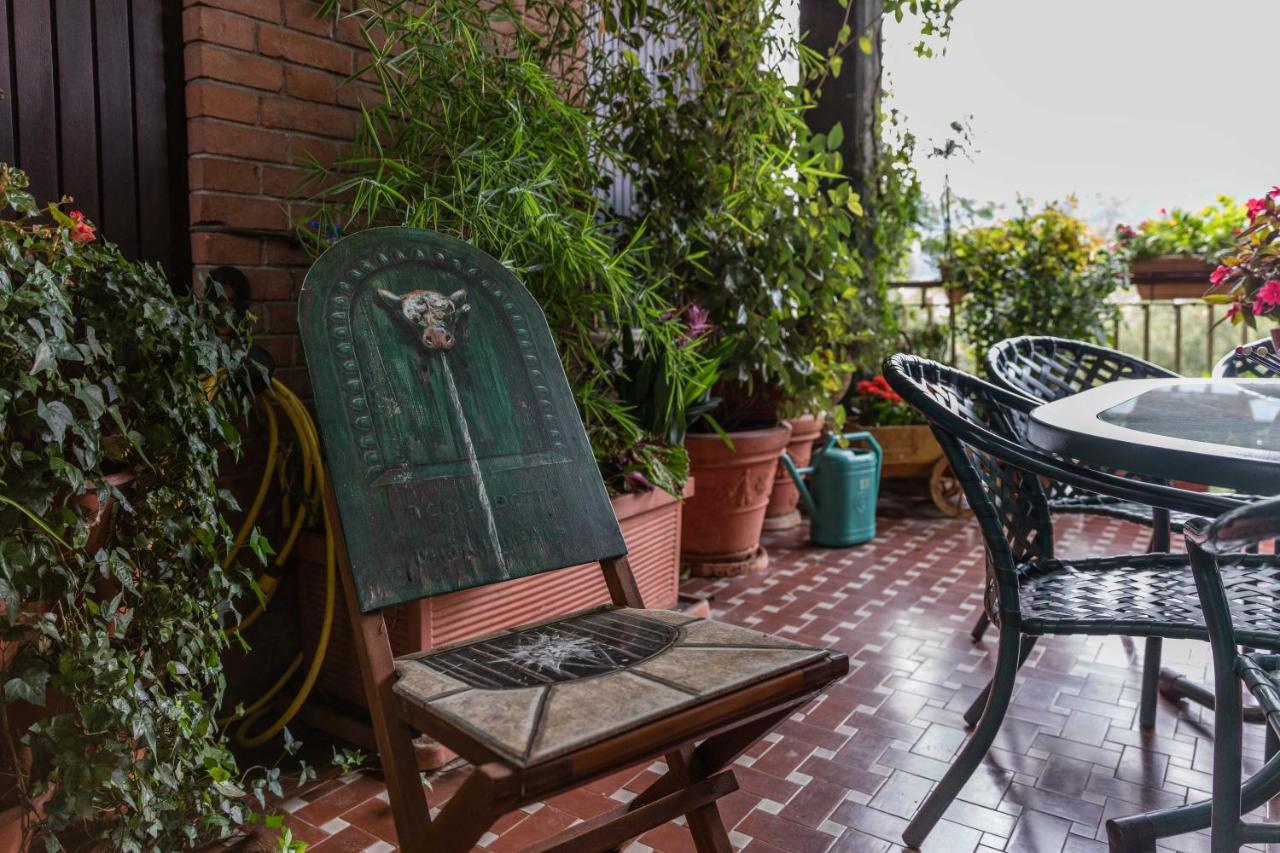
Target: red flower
x=1255 y=206
x=1164 y=212
x=1275 y=191
x=1235 y=309
x=1219 y=274
x=81 y=231
x=1267 y=297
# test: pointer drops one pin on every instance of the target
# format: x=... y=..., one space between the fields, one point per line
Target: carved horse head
x=432 y=315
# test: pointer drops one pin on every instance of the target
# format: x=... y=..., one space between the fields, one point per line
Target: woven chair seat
x=1086 y=503
x=1150 y=595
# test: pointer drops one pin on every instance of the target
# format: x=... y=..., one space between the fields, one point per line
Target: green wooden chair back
x=456 y=453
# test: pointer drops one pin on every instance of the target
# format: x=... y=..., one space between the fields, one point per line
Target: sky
x=1131 y=105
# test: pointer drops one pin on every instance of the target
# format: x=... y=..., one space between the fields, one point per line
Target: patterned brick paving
x=847 y=773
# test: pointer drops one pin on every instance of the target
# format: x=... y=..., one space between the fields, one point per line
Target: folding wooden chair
x=457 y=459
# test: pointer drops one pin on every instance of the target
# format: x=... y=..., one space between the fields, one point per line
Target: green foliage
x=1031 y=273
x=476 y=138
x=1208 y=234
x=936 y=17
x=745 y=208
x=101 y=370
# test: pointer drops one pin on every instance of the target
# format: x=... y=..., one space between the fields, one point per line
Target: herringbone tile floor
x=847 y=773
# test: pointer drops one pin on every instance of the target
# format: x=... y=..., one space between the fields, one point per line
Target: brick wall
x=264 y=92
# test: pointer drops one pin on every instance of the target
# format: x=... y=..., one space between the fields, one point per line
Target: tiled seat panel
x=539 y=692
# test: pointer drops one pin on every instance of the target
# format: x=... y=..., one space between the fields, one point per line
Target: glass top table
x=1221 y=432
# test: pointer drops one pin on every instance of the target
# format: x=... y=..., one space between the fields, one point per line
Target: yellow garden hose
x=304 y=429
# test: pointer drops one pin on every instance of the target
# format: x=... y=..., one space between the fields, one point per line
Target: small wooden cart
x=911 y=452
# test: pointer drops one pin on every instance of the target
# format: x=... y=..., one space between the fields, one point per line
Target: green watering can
x=841 y=498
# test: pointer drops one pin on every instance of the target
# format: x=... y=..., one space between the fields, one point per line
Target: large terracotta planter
x=723 y=521
x=783 y=512
x=651 y=526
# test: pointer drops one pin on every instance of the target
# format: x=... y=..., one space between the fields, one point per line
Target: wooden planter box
x=909 y=451
x=1170 y=277
x=650 y=525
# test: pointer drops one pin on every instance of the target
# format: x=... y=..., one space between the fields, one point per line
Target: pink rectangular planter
x=650 y=525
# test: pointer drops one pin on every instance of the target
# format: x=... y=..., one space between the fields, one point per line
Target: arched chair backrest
x=455 y=450
x=1048 y=368
x=1234 y=365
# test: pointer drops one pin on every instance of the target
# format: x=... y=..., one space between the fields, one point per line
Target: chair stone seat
x=532 y=694
x=1147 y=595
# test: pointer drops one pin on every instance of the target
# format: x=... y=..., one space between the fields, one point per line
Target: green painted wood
x=456 y=452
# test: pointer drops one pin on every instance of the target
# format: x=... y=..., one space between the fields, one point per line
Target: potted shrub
x=107 y=713
x=1248 y=278
x=1171 y=257
x=749 y=218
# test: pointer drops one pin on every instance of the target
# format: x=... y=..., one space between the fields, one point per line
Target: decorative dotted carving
x=339 y=329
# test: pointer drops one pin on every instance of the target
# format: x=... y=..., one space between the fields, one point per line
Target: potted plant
x=749 y=218
x=1248 y=278
x=107 y=712
x=1171 y=256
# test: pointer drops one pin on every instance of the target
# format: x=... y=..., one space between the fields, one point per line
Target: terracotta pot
x=651 y=527
x=102 y=512
x=723 y=521
x=782 y=512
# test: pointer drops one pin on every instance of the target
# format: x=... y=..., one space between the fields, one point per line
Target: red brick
x=358 y=94
x=311 y=118
x=283 y=349
x=296 y=379
x=305 y=50
x=207 y=98
x=212 y=248
x=212 y=173
x=281 y=318
x=304 y=15
x=276 y=285
x=310 y=85
x=206 y=60
x=266 y=10
x=284 y=182
x=282 y=252
x=302 y=151
x=238 y=212
x=207 y=136
x=219 y=27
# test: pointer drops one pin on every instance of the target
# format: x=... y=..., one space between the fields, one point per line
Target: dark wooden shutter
x=92 y=107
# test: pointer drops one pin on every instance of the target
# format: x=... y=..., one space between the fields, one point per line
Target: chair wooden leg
x=468 y=814
x=709 y=834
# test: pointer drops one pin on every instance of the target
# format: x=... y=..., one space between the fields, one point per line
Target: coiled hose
x=278 y=396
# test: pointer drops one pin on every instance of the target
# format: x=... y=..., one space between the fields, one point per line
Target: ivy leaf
x=29 y=686
x=44 y=359
x=835 y=136
x=91 y=396
x=56 y=416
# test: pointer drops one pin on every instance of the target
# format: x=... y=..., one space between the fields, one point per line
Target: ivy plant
x=114 y=650
x=475 y=136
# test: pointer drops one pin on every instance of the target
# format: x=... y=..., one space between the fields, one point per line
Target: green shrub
x=1208 y=234
x=102 y=371
x=1034 y=273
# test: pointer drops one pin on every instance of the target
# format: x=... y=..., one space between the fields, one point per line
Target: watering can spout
x=797 y=476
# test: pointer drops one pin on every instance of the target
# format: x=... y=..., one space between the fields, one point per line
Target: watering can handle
x=860 y=436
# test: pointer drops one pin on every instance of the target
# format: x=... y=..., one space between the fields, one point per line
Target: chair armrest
x=1238 y=528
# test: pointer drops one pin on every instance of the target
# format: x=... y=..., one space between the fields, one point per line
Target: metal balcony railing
x=1182 y=333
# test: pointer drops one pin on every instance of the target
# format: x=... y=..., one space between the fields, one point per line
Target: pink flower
x=81 y=231
x=696 y=322
x=1235 y=309
x=1164 y=212
x=1275 y=191
x=1255 y=206
x=1267 y=297
x=1219 y=274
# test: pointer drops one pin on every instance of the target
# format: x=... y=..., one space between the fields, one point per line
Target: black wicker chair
x=1028 y=592
x=1235 y=364
x=1207 y=546
x=1047 y=369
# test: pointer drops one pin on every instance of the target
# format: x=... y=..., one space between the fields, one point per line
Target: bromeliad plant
x=476 y=137
x=1248 y=278
x=104 y=370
